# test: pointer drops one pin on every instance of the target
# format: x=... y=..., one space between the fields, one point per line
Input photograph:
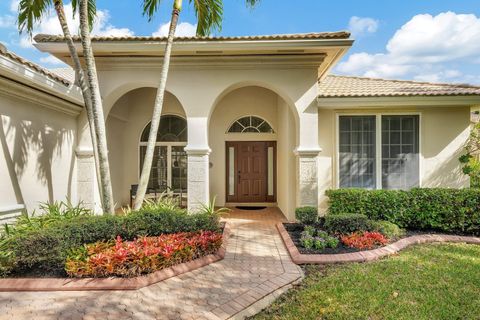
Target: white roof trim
x=20 y=73
x=401 y=101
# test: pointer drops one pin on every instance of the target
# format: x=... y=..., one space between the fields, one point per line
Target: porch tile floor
x=256 y=265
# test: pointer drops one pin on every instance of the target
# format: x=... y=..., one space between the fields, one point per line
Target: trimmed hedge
x=347 y=223
x=45 y=250
x=307 y=215
x=446 y=210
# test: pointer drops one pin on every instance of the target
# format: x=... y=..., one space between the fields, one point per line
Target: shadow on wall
x=447 y=174
x=37 y=142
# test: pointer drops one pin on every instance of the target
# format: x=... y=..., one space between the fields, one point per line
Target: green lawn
x=436 y=281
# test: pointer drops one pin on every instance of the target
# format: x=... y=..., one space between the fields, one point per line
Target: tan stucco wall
x=286 y=161
x=37 y=154
x=268 y=105
x=444 y=131
x=125 y=123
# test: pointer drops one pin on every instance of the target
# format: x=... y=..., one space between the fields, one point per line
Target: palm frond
x=252 y=3
x=92 y=11
x=30 y=13
x=150 y=7
x=209 y=16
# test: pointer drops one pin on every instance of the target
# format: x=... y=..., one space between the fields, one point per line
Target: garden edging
x=87 y=284
x=369 y=255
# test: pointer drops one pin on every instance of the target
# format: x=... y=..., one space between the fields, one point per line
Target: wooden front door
x=249 y=179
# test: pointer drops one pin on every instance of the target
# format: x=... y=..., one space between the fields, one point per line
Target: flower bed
x=39 y=245
x=141 y=256
x=354 y=242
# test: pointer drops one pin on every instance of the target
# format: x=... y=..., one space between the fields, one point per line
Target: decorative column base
x=87 y=186
x=198 y=184
x=307 y=166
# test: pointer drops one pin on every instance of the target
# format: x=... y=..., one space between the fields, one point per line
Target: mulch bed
x=295 y=230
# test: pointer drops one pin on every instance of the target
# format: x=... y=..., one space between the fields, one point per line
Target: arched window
x=171 y=128
x=250 y=124
x=169 y=165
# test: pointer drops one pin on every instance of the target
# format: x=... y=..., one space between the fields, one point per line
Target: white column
x=307 y=177
x=87 y=185
x=198 y=178
x=198 y=153
x=307 y=158
x=88 y=191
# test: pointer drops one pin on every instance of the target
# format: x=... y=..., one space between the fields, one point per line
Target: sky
x=423 y=40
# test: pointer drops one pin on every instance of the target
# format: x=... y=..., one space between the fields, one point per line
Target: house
x=256 y=120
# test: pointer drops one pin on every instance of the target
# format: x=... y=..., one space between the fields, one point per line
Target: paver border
x=369 y=255
x=114 y=283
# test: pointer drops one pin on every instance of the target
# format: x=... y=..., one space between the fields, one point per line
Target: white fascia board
x=234 y=45
x=22 y=74
x=381 y=102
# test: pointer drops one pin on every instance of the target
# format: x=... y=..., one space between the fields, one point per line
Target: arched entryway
x=252 y=135
x=127 y=132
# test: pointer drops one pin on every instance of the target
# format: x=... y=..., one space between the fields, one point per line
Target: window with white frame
x=379 y=151
x=169 y=165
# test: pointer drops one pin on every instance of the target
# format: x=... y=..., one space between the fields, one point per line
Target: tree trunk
x=157 y=110
x=79 y=79
x=97 y=108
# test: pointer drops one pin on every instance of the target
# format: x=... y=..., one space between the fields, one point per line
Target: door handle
x=238 y=176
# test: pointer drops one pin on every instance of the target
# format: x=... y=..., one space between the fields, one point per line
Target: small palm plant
x=210 y=208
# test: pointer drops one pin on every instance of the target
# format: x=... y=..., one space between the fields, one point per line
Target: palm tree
x=30 y=12
x=209 y=17
x=85 y=11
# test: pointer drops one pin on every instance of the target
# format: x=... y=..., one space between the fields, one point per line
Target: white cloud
x=14 y=5
x=421 y=48
x=359 y=25
x=7 y=21
x=184 y=29
x=51 y=60
x=50 y=25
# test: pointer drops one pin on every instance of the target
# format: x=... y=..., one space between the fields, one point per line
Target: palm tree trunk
x=97 y=108
x=79 y=79
x=157 y=109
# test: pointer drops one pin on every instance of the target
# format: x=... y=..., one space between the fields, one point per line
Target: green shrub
x=306 y=215
x=319 y=243
x=45 y=250
x=48 y=214
x=310 y=230
x=446 y=210
x=307 y=241
x=322 y=234
x=347 y=223
x=388 y=229
x=332 y=242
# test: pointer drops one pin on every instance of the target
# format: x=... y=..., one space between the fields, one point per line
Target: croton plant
x=141 y=256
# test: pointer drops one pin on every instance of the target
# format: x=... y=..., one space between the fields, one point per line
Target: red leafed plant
x=364 y=240
x=141 y=256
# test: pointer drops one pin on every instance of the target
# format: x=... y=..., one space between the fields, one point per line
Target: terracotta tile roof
x=33 y=66
x=299 y=36
x=345 y=86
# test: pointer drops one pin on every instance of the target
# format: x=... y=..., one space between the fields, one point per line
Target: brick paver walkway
x=256 y=265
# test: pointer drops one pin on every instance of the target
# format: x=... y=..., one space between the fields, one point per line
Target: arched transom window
x=250 y=124
x=169 y=166
x=171 y=129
